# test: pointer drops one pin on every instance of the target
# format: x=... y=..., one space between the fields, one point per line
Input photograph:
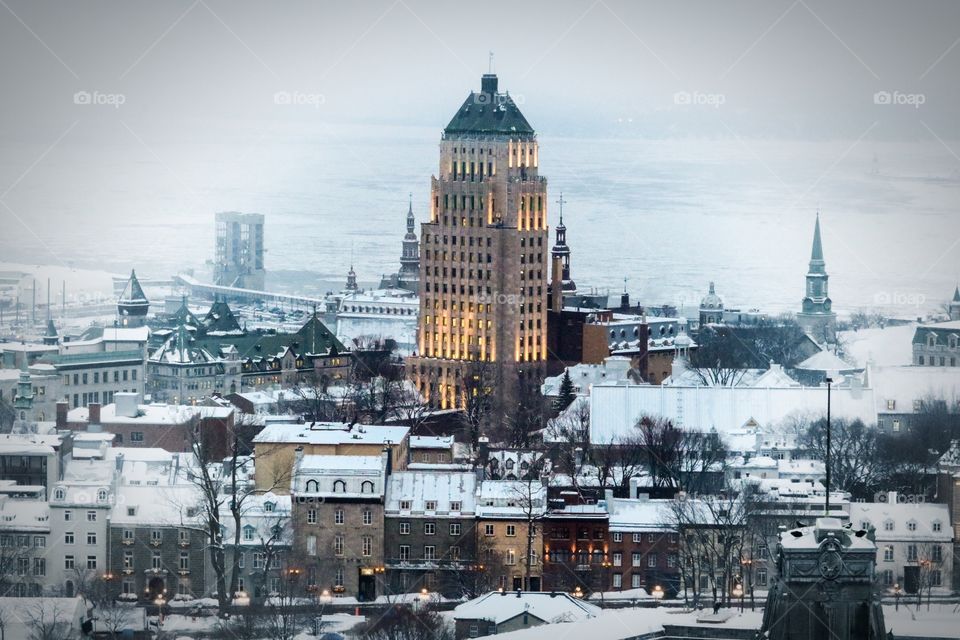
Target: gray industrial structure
x=239 y=251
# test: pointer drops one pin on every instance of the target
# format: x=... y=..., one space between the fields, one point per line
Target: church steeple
x=410 y=257
x=817 y=314
x=351 y=279
x=561 y=251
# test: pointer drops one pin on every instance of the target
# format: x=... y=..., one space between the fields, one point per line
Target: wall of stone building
x=321 y=567
x=493 y=552
x=198 y=579
x=595 y=345
x=445 y=574
x=275 y=460
x=663 y=545
x=659 y=366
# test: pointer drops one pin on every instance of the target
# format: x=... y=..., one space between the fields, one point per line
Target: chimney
x=119 y=462
x=488 y=83
x=63 y=407
x=297 y=456
x=93 y=410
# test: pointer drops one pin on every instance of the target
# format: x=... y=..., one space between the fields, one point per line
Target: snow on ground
x=940 y=621
x=886 y=347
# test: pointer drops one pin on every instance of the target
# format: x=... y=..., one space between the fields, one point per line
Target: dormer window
x=936 y=526
x=102 y=495
x=312 y=486
x=911 y=526
x=932 y=340
x=405 y=505
x=268 y=506
x=891 y=405
x=59 y=494
x=366 y=487
x=339 y=486
x=888 y=525
x=248 y=533
x=431 y=505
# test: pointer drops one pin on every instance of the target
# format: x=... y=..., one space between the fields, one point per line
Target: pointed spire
x=956 y=294
x=817 y=252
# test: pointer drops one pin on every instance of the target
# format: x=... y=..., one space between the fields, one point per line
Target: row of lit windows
x=458 y=322
x=99 y=377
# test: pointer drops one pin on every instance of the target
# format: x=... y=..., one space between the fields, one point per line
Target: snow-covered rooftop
x=439 y=487
x=909 y=521
x=331 y=433
x=498 y=607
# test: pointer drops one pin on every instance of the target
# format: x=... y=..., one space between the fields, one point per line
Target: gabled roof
x=489 y=112
x=499 y=607
x=220 y=319
x=312 y=339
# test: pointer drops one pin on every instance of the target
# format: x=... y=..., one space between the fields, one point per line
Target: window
x=488 y=529
x=313 y=486
x=936 y=553
x=617 y=580
x=241 y=559
x=156 y=561
x=184 y=561
x=888 y=554
x=366 y=487
x=672 y=560
x=911 y=553
x=338 y=516
x=405 y=505
x=67 y=515
x=404 y=528
x=762 y=577
x=128 y=534
x=936 y=527
x=617 y=559
x=652 y=561
x=431 y=505
x=128 y=559
x=136 y=436
x=248 y=533
x=511 y=530
x=638 y=537
x=455 y=528
x=429 y=552
x=635 y=581
x=259 y=560
x=156 y=535
x=635 y=560
x=339 y=486
x=39 y=567
x=91 y=516
x=367 y=517
x=404 y=552
x=311 y=545
x=338 y=545
x=311 y=516
x=91 y=562
x=91 y=538
x=68 y=563
x=429 y=528
x=366 y=546
x=39 y=542
x=911 y=526
x=511 y=556
x=617 y=536
x=455 y=506
x=60 y=494
x=888 y=525
x=454 y=552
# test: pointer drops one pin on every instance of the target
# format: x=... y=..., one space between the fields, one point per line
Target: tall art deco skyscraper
x=483 y=265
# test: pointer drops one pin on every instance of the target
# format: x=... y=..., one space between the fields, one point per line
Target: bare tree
x=48 y=619
x=403 y=622
x=530 y=497
x=476 y=397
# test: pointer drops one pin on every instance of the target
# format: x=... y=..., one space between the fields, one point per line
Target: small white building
x=914 y=541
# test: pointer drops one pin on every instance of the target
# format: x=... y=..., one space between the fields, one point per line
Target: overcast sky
x=806 y=69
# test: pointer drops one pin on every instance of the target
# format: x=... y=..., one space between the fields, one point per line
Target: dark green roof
x=313 y=338
x=221 y=318
x=489 y=113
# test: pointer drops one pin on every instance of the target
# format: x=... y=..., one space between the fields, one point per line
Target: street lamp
x=896 y=597
x=657 y=594
x=577 y=592
x=738 y=593
x=829 y=382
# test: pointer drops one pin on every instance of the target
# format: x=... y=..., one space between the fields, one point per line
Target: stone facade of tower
x=410 y=258
x=817 y=316
x=711 y=308
x=483 y=259
x=954 y=305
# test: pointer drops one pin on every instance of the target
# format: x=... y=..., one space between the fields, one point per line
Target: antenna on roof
x=561 y=202
x=490 y=63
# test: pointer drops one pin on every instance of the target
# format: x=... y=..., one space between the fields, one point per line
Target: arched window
x=68 y=589
x=102 y=495
x=59 y=494
x=313 y=487
x=339 y=486
x=268 y=506
x=366 y=487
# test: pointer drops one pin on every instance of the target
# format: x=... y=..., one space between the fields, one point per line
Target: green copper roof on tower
x=489 y=113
